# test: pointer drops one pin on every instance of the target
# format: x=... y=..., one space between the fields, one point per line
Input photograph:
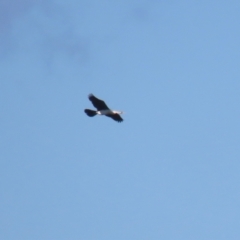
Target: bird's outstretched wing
x=97 y=103
x=115 y=117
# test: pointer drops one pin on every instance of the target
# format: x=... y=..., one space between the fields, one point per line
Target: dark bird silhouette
x=102 y=109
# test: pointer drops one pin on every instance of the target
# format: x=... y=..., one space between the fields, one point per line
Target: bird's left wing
x=97 y=103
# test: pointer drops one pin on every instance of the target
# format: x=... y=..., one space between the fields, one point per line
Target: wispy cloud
x=38 y=27
x=10 y=11
x=74 y=29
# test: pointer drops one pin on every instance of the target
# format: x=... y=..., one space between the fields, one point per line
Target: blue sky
x=170 y=170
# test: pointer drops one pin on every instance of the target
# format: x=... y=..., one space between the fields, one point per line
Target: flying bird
x=102 y=109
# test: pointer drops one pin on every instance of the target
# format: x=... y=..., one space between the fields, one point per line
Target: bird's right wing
x=115 y=117
x=97 y=103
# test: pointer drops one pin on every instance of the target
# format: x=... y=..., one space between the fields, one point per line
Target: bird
x=102 y=109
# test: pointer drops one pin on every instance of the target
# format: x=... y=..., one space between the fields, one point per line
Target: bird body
x=108 y=111
x=102 y=109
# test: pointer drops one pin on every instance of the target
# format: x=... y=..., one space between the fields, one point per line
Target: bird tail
x=90 y=113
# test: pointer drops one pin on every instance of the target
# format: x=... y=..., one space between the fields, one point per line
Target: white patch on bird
x=108 y=111
x=118 y=112
x=104 y=112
